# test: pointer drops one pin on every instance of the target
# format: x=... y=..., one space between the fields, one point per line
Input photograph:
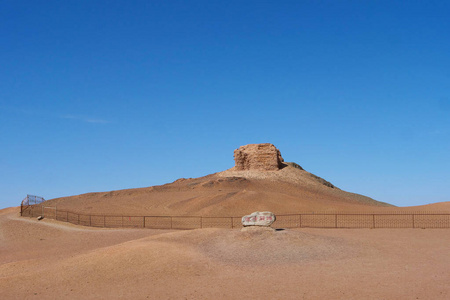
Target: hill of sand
x=52 y=260
x=48 y=259
x=228 y=193
x=434 y=207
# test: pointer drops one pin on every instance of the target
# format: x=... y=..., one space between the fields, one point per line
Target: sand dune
x=53 y=260
x=435 y=207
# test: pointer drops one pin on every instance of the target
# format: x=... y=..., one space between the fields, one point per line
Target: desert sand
x=52 y=260
x=48 y=259
x=228 y=193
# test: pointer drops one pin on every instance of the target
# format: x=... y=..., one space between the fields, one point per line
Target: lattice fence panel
x=432 y=221
x=354 y=221
x=98 y=221
x=287 y=221
x=211 y=222
x=26 y=212
x=49 y=212
x=133 y=222
x=237 y=222
x=318 y=220
x=113 y=221
x=394 y=221
x=158 y=222
x=73 y=218
x=186 y=222
x=37 y=210
x=85 y=220
x=61 y=216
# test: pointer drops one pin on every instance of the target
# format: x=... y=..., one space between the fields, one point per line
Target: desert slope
x=228 y=193
x=432 y=207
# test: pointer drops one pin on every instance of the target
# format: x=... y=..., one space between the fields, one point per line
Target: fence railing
x=400 y=219
x=30 y=200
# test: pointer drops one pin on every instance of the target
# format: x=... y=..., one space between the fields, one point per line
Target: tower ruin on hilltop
x=262 y=157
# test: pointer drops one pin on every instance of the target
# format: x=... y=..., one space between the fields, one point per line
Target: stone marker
x=265 y=218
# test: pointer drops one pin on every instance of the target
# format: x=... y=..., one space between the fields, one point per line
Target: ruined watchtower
x=263 y=157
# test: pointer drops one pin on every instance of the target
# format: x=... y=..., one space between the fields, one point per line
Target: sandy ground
x=228 y=193
x=52 y=260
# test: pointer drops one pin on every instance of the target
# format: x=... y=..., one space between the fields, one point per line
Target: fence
x=401 y=219
x=30 y=200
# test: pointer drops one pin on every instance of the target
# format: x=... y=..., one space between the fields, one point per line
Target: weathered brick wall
x=265 y=157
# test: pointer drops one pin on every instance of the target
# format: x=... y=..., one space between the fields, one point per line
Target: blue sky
x=106 y=95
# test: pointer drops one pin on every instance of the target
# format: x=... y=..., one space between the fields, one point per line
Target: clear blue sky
x=106 y=95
